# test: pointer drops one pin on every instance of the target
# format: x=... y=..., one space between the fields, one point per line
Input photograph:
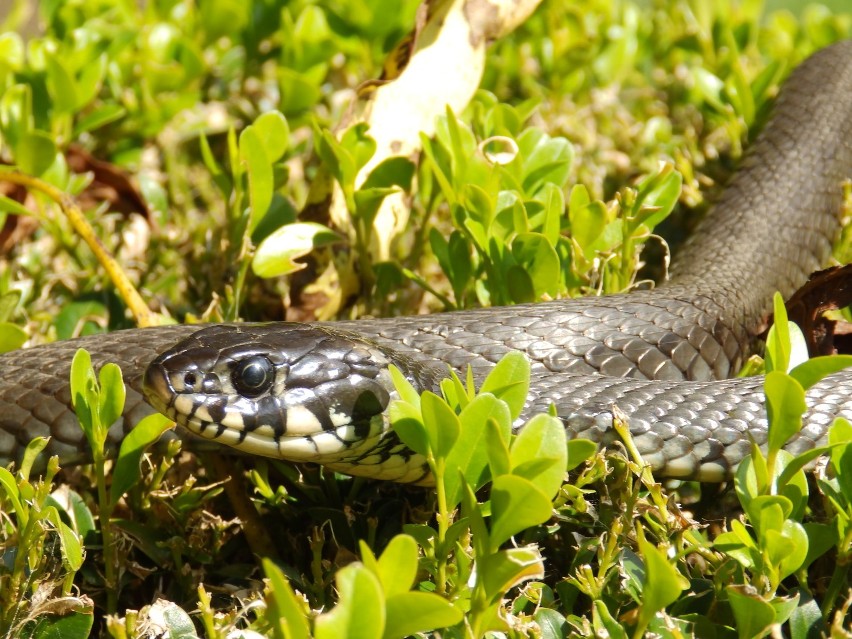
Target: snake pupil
x=253 y=376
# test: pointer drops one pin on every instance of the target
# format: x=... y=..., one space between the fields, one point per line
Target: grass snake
x=318 y=392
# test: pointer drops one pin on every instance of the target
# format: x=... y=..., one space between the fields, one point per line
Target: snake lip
x=157 y=388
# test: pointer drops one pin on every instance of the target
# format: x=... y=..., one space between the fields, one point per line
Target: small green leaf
x=778 y=346
x=840 y=437
x=398 y=566
x=516 y=504
x=71 y=544
x=61 y=84
x=500 y=571
x=806 y=619
x=392 y=172
x=7 y=481
x=509 y=380
x=537 y=256
x=274 y=133
x=752 y=613
x=542 y=439
x=442 y=424
x=578 y=451
x=12 y=337
x=277 y=253
x=410 y=613
x=286 y=613
x=82 y=391
x=177 y=623
x=407 y=392
x=359 y=144
x=35 y=152
x=259 y=168
x=470 y=453
x=785 y=405
x=133 y=446
x=663 y=583
x=360 y=610
x=11 y=206
x=112 y=394
x=407 y=423
x=75 y=622
x=813 y=370
x=99 y=117
x=605 y=624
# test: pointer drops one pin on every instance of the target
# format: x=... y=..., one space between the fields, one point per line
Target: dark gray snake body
x=654 y=354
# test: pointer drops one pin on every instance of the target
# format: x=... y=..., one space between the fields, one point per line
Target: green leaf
x=663 y=583
x=588 y=223
x=61 y=84
x=75 y=623
x=99 y=117
x=806 y=619
x=500 y=571
x=398 y=566
x=259 y=168
x=509 y=380
x=276 y=255
x=753 y=615
x=274 y=133
x=787 y=548
x=359 y=145
x=578 y=451
x=604 y=623
x=392 y=172
x=407 y=392
x=409 y=613
x=407 y=423
x=133 y=446
x=657 y=195
x=12 y=337
x=286 y=613
x=442 y=424
x=516 y=504
x=470 y=453
x=360 y=610
x=83 y=392
x=71 y=544
x=840 y=437
x=35 y=152
x=177 y=623
x=778 y=346
x=813 y=370
x=11 y=206
x=541 y=441
x=538 y=258
x=785 y=405
x=112 y=394
x=7 y=481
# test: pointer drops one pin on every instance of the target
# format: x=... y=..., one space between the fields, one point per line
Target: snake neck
x=776 y=222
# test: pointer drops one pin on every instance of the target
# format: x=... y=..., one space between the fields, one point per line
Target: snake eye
x=253 y=376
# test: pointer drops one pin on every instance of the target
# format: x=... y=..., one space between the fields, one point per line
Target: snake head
x=292 y=391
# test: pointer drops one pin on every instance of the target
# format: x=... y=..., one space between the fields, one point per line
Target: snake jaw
x=322 y=404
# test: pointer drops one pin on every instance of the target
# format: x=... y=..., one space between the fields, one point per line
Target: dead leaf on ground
x=827 y=290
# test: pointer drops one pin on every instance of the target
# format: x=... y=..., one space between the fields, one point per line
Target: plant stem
x=443 y=518
x=105 y=509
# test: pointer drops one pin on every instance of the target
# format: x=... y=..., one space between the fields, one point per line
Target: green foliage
x=593 y=124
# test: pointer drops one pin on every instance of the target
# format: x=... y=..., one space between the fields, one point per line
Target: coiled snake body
x=317 y=393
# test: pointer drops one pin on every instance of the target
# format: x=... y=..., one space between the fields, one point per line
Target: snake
x=665 y=357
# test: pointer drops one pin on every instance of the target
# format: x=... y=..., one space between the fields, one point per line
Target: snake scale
x=318 y=392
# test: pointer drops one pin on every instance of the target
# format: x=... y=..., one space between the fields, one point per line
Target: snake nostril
x=190 y=379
